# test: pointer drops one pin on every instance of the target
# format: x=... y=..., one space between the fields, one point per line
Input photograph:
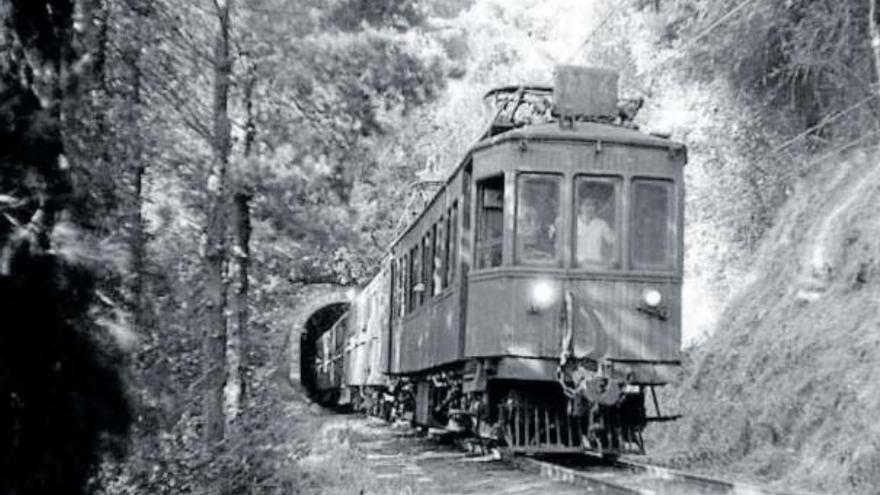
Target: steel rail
x=709 y=482
x=625 y=476
x=595 y=482
x=621 y=476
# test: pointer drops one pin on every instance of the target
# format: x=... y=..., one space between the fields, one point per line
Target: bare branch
x=323 y=278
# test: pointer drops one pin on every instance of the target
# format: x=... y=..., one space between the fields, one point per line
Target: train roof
x=580 y=131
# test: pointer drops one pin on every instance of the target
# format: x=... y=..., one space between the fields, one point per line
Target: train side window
x=368 y=314
x=418 y=287
x=452 y=250
x=653 y=224
x=412 y=280
x=490 y=221
x=439 y=256
x=596 y=232
x=538 y=240
x=466 y=198
x=404 y=285
x=395 y=289
x=428 y=264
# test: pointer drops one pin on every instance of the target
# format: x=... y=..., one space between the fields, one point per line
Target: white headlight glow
x=543 y=294
x=651 y=297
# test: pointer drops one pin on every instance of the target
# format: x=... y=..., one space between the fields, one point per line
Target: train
x=535 y=302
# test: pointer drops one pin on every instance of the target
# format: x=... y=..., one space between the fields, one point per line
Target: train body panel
x=430 y=338
x=608 y=298
x=609 y=320
x=378 y=325
x=428 y=323
x=607 y=323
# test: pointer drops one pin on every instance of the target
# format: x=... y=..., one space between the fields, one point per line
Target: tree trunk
x=136 y=168
x=243 y=251
x=875 y=39
x=97 y=21
x=214 y=343
x=242 y=239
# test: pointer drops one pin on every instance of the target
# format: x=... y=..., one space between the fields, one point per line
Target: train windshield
x=653 y=225
x=538 y=219
x=596 y=232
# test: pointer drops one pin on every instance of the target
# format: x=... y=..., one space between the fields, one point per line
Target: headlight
x=651 y=297
x=543 y=295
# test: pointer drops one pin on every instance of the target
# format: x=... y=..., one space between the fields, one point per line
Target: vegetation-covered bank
x=787 y=388
x=783 y=389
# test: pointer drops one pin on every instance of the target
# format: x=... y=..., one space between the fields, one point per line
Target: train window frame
x=447 y=251
x=368 y=311
x=557 y=258
x=672 y=225
x=453 y=248
x=404 y=284
x=406 y=293
x=395 y=289
x=411 y=280
x=488 y=192
x=418 y=286
x=466 y=186
x=428 y=264
x=439 y=255
x=620 y=226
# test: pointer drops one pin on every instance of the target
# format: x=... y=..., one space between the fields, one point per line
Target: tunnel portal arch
x=319 y=314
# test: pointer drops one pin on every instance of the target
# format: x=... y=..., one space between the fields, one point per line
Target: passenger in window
x=537 y=238
x=595 y=238
x=438 y=270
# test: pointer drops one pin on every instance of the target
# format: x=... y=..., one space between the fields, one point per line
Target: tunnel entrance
x=318 y=322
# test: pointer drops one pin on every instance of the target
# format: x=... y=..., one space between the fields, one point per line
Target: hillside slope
x=787 y=390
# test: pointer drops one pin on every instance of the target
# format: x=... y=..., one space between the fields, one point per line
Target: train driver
x=595 y=238
x=537 y=238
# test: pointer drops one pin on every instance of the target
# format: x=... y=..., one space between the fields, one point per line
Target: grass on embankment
x=787 y=390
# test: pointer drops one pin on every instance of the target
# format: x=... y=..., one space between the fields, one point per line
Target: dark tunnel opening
x=318 y=322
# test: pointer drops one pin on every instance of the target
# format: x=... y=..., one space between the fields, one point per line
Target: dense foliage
x=801 y=70
x=309 y=93
x=62 y=400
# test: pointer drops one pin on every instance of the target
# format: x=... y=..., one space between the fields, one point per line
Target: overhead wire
x=824 y=122
x=595 y=30
x=717 y=22
x=843 y=147
x=779 y=148
x=693 y=41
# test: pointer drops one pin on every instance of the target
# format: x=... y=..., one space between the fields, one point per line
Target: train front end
x=574 y=293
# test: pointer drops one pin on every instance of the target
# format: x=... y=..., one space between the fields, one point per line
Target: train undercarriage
x=582 y=409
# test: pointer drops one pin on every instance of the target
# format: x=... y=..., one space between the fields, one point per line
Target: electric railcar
x=536 y=301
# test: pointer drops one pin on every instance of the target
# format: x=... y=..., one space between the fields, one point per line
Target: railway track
x=452 y=461
x=624 y=477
